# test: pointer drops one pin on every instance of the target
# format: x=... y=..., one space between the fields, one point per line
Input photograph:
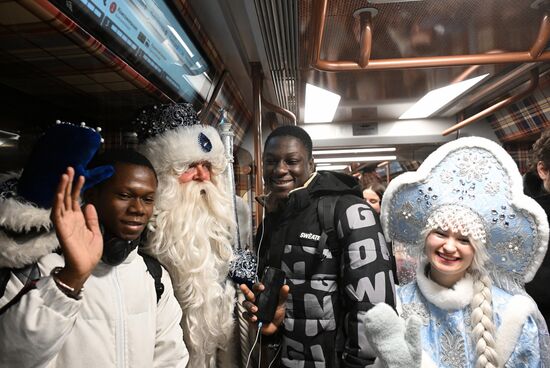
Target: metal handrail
x=535 y=53
x=499 y=105
x=279 y=110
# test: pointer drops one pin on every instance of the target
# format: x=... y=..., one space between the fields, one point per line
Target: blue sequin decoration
x=205 y=143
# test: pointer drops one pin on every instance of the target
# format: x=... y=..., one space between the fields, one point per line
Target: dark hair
x=292 y=131
x=124 y=156
x=377 y=188
x=541 y=151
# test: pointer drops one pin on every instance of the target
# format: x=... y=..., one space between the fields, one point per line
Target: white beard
x=191 y=235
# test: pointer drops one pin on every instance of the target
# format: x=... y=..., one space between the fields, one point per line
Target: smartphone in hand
x=267 y=300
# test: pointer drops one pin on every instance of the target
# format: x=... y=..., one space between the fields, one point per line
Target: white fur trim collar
x=457 y=297
x=15 y=255
x=22 y=217
x=19 y=217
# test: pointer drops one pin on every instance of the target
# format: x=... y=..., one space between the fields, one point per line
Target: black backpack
x=155 y=270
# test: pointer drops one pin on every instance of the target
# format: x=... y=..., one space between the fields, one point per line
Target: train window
x=149 y=37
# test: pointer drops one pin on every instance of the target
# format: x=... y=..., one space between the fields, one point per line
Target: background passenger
x=537 y=185
x=373 y=194
x=537 y=179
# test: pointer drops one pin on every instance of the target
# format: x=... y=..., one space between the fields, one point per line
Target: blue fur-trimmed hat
x=155 y=120
x=61 y=146
x=173 y=138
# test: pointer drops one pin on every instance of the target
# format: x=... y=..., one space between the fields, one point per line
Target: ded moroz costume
x=192 y=226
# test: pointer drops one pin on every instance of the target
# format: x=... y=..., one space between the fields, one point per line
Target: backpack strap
x=29 y=275
x=326 y=208
x=25 y=274
x=4 y=278
x=155 y=270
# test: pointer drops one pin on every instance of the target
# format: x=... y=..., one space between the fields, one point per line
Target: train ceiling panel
x=49 y=57
x=409 y=29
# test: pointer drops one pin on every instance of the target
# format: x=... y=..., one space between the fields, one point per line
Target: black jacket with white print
x=329 y=292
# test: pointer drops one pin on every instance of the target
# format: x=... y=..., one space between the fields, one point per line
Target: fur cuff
x=517 y=311
x=427 y=361
x=397 y=343
x=21 y=217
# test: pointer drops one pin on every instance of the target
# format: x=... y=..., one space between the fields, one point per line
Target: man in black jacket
x=329 y=289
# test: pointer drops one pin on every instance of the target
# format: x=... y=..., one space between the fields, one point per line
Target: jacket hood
x=320 y=184
x=328 y=182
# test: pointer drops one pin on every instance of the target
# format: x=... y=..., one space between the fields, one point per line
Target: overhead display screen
x=147 y=35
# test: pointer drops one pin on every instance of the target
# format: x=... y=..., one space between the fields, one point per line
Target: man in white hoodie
x=124 y=318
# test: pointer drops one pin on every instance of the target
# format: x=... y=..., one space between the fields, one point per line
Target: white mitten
x=396 y=342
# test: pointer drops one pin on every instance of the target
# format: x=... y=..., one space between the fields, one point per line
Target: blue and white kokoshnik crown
x=477 y=175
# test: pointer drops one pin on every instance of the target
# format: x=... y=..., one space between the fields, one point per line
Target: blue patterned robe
x=446 y=324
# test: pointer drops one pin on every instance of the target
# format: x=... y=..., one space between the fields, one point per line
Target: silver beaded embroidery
x=416 y=309
x=473 y=166
x=492 y=187
x=446 y=177
x=510 y=253
x=452 y=350
x=155 y=120
x=406 y=211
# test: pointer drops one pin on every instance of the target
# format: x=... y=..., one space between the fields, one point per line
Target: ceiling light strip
x=332 y=167
x=353 y=150
x=440 y=97
x=355 y=159
x=320 y=105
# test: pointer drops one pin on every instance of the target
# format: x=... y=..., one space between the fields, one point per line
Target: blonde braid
x=483 y=328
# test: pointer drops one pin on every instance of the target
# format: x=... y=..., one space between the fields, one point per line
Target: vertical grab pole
x=257 y=124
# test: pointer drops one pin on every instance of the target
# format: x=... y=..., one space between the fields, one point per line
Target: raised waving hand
x=77 y=231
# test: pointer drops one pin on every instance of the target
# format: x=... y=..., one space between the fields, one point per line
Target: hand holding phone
x=268 y=299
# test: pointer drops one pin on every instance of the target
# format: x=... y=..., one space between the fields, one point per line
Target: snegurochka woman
x=476 y=239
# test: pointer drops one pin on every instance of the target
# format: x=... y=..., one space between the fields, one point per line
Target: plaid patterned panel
x=521 y=153
x=524 y=118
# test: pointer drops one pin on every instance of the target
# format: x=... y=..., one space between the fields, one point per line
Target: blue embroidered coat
x=446 y=323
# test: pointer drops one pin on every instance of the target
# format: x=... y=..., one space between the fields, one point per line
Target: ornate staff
x=243 y=268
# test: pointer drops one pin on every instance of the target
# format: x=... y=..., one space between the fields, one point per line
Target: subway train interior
x=378 y=84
